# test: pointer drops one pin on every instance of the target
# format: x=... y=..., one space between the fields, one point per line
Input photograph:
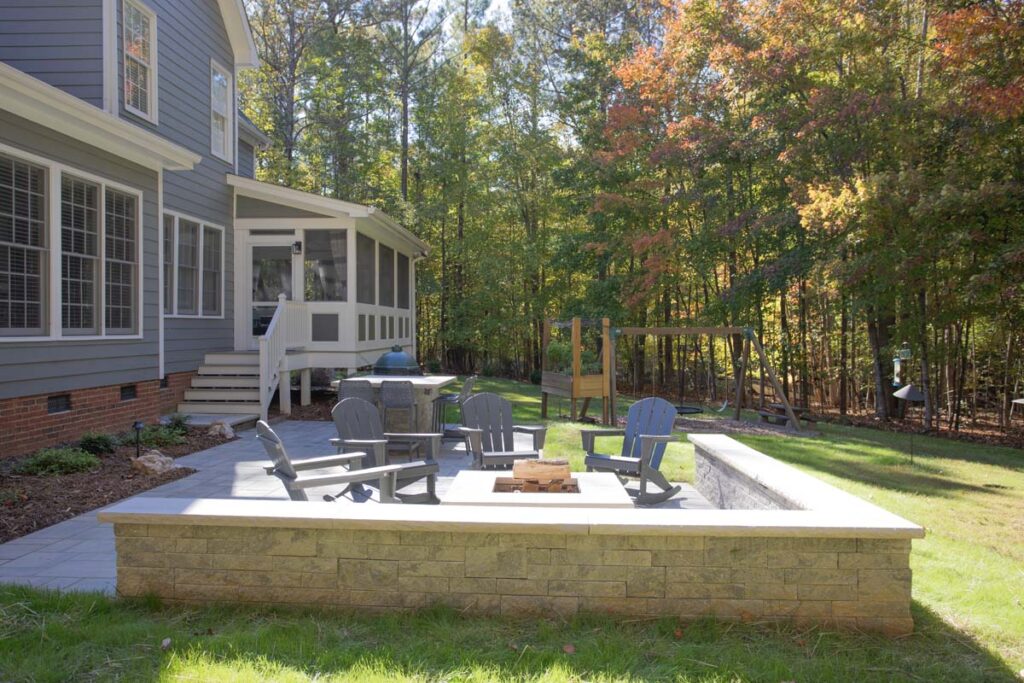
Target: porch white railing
x=273 y=347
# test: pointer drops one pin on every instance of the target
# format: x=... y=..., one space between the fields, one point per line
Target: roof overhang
x=250 y=131
x=315 y=203
x=236 y=21
x=39 y=102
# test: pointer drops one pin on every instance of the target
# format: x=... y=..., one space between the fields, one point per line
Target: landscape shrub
x=159 y=436
x=178 y=422
x=56 y=461
x=97 y=444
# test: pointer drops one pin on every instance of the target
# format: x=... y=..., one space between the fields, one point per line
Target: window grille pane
x=22 y=247
x=386 y=284
x=366 y=269
x=120 y=233
x=326 y=270
x=138 y=41
x=80 y=257
x=212 y=250
x=188 y=267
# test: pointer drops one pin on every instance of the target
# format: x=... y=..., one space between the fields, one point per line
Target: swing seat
x=648 y=429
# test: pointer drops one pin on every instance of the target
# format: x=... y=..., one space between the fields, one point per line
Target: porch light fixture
x=297 y=247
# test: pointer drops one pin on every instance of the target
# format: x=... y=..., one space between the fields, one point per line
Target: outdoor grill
x=396 y=362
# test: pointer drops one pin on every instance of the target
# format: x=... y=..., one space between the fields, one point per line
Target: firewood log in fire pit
x=541 y=470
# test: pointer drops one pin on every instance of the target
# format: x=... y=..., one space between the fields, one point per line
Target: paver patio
x=78 y=554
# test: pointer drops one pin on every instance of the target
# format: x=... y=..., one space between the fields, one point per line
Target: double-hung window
x=23 y=248
x=193 y=268
x=72 y=239
x=221 y=112
x=138 y=27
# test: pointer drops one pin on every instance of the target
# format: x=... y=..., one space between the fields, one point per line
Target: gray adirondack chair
x=648 y=429
x=360 y=430
x=489 y=432
x=287 y=470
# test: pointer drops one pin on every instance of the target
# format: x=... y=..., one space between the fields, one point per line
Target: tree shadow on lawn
x=101 y=637
x=926 y=446
x=872 y=470
x=439 y=644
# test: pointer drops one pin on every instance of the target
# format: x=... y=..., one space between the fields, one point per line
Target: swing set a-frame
x=575 y=384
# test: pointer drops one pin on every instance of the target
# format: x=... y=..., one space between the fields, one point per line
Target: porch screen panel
x=403 y=281
x=22 y=247
x=188 y=267
x=121 y=263
x=326 y=265
x=213 y=250
x=366 y=269
x=386 y=286
x=79 y=235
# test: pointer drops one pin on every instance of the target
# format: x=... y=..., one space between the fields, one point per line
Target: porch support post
x=284 y=392
x=305 y=379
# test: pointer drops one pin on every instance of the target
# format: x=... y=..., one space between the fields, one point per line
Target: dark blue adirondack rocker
x=648 y=429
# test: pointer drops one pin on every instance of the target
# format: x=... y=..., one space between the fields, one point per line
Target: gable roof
x=318 y=204
x=236 y=21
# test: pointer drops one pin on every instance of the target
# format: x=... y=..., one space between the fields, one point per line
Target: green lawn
x=968 y=592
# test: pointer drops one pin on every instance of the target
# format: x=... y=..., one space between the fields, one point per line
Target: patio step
x=245 y=370
x=233 y=407
x=232 y=358
x=225 y=382
x=229 y=394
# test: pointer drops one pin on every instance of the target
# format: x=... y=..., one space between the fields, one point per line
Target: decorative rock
x=153 y=462
x=221 y=429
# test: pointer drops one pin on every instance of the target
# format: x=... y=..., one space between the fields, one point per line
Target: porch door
x=273 y=270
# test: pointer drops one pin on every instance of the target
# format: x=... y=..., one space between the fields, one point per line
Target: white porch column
x=284 y=392
x=305 y=380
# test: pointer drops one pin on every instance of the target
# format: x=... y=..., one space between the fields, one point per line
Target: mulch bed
x=321 y=403
x=30 y=503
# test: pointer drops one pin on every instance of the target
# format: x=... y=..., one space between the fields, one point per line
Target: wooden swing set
x=576 y=384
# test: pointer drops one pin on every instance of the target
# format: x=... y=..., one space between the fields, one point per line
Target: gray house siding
x=246 y=160
x=53 y=366
x=59 y=42
x=189 y=34
x=248 y=207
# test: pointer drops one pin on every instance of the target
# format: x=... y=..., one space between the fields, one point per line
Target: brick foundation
x=26 y=425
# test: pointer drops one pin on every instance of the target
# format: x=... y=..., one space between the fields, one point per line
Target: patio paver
x=78 y=554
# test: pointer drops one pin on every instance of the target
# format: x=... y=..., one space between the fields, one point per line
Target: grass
x=968 y=592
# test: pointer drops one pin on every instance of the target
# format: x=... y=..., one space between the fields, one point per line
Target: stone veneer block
x=829 y=558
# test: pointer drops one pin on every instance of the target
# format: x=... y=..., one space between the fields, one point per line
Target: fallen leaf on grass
x=678 y=633
x=569 y=649
x=165 y=644
x=513 y=645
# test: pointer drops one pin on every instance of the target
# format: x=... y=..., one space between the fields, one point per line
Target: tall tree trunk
x=926 y=388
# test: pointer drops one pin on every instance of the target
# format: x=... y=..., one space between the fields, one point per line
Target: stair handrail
x=273 y=347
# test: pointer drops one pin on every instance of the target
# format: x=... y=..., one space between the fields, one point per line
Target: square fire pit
x=595 y=490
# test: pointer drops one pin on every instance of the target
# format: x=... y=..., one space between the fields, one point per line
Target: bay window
x=193 y=268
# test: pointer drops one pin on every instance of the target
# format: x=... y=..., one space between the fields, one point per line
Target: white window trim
x=173 y=284
x=55 y=171
x=227 y=155
x=153 y=115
